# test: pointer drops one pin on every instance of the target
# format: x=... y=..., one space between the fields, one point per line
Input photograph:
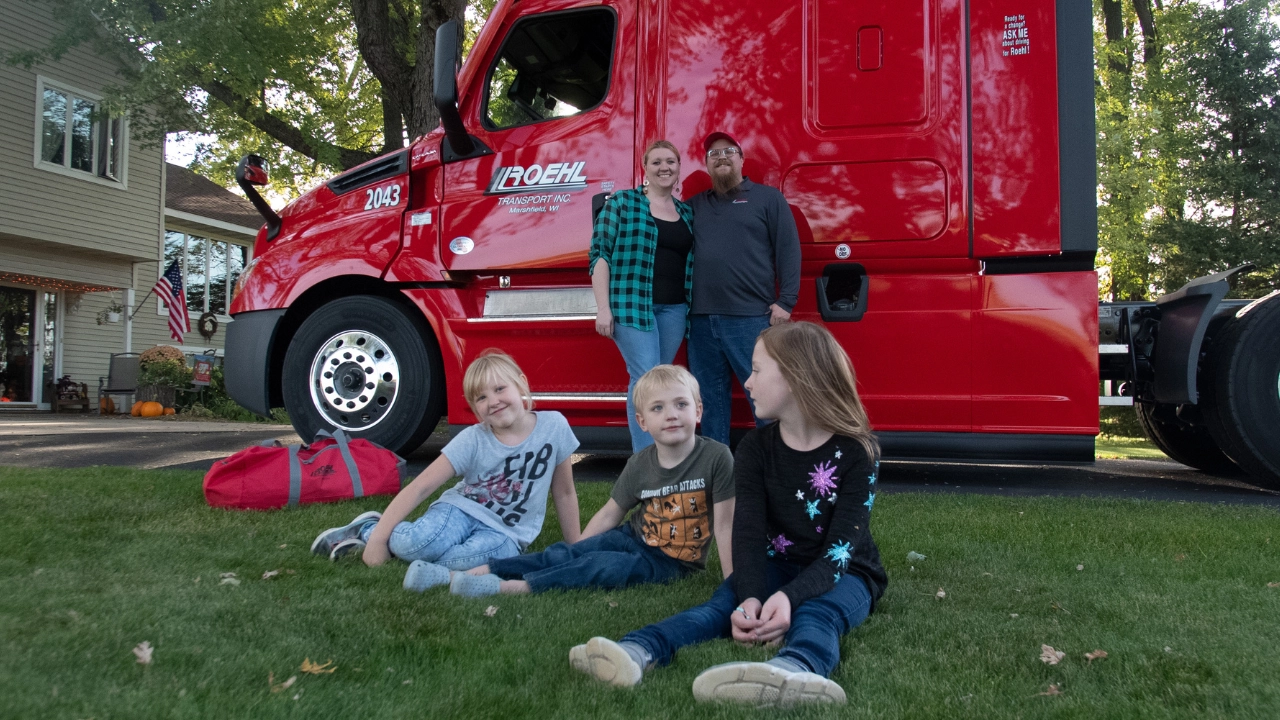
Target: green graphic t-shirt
x=674 y=513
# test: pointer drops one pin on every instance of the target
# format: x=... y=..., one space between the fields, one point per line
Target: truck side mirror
x=445 y=89
x=252 y=170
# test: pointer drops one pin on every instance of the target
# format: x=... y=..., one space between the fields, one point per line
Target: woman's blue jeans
x=642 y=350
x=812 y=642
x=447 y=536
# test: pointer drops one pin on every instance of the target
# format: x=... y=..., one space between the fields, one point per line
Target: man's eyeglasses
x=723 y=152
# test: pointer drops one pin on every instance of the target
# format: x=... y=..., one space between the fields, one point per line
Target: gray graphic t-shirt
x=506 y=486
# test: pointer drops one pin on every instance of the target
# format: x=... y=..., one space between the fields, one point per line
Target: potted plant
x=111 y=313
x=162 y=372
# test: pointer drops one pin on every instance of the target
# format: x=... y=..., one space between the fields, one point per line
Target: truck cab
x=938 y=158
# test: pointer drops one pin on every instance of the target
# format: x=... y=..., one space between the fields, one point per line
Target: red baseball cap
x=719 y=135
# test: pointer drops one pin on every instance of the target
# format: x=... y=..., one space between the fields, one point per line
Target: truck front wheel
x=364 y=365
x=1243 y=410
x=1189 y=445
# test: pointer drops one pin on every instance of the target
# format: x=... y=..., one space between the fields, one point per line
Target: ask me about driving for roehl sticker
x=535 y=178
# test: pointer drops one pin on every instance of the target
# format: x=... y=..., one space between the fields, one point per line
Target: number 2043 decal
x=380 y=197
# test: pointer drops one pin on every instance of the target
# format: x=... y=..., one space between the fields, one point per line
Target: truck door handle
x=842 y=292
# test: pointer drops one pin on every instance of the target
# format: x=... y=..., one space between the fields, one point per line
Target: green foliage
x=170 y=373
x=214 y=402
x=1189 y=147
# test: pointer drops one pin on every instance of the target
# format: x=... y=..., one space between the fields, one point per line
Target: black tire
x=395 y=400
x=1243 y=409
x=1190 y=445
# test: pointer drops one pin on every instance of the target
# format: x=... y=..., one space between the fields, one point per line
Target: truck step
x=1113 y=349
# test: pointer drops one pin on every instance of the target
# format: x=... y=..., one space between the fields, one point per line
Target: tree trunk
x=1150 y=38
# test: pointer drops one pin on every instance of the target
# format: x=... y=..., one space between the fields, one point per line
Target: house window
x=210 y=270
x=77 y=135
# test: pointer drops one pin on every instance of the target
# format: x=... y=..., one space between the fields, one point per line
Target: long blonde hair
x=493 y=364
x=822 y=380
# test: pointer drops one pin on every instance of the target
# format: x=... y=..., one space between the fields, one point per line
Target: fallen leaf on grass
x=491 y=611
x=1051 y=656
x=285 y=545
x=1056 y=606
x=270 y=574
x=407 y=682
x=1095 y=655
x=914 y=556
x=1079 y=567
x=143 y=652
x=1013 y=615
x=613 y=604
x=1052 y=690
x=228 y=578
x=1180 y=557
x=275 y=688
x=316 y=668
x=1273 y=585
x=940 y=594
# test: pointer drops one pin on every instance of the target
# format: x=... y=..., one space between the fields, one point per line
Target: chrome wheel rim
x=354 y=377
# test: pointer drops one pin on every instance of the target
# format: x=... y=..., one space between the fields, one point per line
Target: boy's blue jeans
x=447 y=536
x=642 y=350
x=720 y=347
x=613 y=559
x=813 y=641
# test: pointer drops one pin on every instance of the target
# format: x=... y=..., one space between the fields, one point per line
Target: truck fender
x=246 y=365
x=1184 y=317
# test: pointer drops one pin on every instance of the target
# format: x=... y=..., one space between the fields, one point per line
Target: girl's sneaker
x=346 y=547
x=764 y=685
x=327 y=541
x=607 y=661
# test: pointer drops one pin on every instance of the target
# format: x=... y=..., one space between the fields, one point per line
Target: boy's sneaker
x=606 y=661
x=764 y=686
x=346 y=547
x=326 y=541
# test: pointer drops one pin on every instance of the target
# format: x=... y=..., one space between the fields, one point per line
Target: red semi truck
x=939 y=159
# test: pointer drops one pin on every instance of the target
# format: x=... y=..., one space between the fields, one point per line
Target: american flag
x=169 y=288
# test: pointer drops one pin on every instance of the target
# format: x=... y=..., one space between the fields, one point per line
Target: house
x=90 y=218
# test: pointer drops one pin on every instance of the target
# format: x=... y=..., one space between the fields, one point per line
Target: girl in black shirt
x=806 y=569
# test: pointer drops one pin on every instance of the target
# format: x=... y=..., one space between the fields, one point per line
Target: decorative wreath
x=208 y=325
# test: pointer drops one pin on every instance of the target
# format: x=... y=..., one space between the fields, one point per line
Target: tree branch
x=281 y=131
x=379 y=40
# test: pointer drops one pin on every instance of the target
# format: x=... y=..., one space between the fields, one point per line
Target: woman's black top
x=674 y=243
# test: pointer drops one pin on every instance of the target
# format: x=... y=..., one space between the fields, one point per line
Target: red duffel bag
x=332 y=468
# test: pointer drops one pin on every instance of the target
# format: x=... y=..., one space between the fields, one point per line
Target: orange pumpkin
x=151 y=409
x=137 y=409
x=169 y=411
x=106 y=405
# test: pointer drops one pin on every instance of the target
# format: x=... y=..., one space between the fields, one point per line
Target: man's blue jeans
x=642 y=350
x=447 y=536
x=720 y=346
x=812 y=642
x=613 y=559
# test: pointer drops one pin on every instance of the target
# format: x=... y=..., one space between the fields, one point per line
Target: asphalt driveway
x=46 y=440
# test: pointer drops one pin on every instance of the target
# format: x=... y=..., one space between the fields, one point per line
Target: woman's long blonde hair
x=822 y=380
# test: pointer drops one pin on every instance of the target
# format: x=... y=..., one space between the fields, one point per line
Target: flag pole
x=139 y=307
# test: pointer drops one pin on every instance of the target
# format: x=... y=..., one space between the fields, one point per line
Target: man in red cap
x=746 y=276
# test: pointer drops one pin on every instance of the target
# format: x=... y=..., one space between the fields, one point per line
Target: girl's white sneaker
x=764 y=685
x=606 y=661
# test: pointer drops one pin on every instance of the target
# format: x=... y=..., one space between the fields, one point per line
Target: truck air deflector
x=986 y=447
x=1077 y=134
x=371 y=172
x=1081 y=261
x=1184 y=317
x=250 y=338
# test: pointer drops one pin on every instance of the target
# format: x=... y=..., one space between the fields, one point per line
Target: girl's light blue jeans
x=447 y=536
x=642 y=350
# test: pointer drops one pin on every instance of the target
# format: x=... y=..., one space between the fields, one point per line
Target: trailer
x=939 y=160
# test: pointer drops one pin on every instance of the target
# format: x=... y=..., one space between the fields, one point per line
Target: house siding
x=51 y=207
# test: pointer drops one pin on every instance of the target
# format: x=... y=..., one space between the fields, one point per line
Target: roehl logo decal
x=556 y=176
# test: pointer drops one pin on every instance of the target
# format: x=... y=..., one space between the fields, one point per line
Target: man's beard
x=725 y=184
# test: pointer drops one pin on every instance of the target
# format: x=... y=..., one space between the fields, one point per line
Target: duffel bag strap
x=295 y=476
x=341 y=437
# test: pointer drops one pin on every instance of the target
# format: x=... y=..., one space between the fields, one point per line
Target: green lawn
x=1112 y=447
x=99 y=560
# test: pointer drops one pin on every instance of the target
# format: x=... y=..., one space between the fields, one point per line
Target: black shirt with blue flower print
x=808 y=508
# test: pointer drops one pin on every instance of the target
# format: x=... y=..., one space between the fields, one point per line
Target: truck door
x=553 y=98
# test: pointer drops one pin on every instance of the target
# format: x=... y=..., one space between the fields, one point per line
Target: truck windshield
x=550 y=66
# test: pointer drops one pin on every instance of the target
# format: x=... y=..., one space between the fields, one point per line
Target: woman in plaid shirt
x=641 y=267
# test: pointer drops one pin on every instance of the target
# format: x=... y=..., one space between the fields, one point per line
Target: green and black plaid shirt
x=626 y=236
